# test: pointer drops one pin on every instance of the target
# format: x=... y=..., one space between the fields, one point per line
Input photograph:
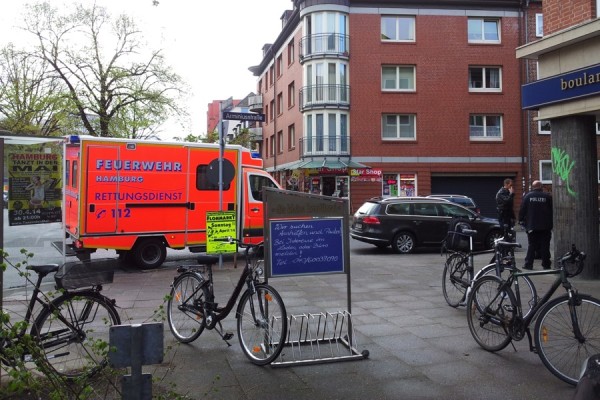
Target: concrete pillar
x=575 y=189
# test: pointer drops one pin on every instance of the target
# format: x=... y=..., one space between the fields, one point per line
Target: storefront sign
x=572 y=85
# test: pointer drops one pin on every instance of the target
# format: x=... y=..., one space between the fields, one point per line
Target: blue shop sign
x=572 y=85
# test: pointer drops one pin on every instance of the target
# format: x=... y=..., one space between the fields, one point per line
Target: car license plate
x=358 y=226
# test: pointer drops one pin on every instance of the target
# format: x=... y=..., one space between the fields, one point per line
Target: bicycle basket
x=79 y=274
x=457 y=241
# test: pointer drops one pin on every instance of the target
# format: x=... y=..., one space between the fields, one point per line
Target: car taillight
x=371 y=220
x=477 y=210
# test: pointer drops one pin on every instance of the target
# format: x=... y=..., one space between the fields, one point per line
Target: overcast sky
x=209 y=43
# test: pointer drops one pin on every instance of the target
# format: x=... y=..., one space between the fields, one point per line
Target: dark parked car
x=406 y=223
x=464 y=201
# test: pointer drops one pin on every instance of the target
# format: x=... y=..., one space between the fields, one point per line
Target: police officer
x=535 y=215
x=505 y=203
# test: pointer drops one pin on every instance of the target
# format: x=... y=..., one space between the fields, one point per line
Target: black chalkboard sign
x=306 y=246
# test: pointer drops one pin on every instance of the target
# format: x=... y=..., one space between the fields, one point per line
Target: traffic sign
x=244 y=116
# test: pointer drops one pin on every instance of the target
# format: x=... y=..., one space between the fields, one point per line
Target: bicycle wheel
x=561 y=352
x=261 y=324
x=456 y=279
x=185 y=307
x=490 y=313
x=73 y=333
x=527 y=292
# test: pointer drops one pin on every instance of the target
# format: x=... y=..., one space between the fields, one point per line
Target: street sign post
x=243 y=116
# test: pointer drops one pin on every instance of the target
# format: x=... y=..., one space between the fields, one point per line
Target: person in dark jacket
x=535 y=215
x=505 y=204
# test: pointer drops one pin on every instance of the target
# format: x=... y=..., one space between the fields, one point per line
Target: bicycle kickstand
x=226 y=336
x=532 y=348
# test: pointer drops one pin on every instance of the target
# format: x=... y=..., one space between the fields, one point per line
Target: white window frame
x=483 y=39
x=484 y=79
x=544 y=165
x=543 y=124
x=485 y=135
x=397 y=78
x=539 y=25
x=398 y=19
x=412 y=122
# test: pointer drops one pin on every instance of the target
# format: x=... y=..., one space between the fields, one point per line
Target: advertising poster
x=34 y=183
x=220 y=225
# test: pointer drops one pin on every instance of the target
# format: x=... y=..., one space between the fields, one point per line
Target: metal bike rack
x=319 y=338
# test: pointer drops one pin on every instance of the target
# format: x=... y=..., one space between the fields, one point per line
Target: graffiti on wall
x=562 y=165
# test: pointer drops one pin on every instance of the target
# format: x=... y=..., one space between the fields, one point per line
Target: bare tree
x=32 y=100
x=111 y=81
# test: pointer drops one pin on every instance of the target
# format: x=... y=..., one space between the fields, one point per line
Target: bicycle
x=566 y=327
x=261 y=315
x=71 y=331
x=459 y=275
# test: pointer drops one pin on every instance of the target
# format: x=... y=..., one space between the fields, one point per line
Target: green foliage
x=89 y=73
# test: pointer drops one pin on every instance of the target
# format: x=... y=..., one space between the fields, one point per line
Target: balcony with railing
x=324 y=45
x=255 y=103
x=325 y=96
x=256 y=134
x=319 y=145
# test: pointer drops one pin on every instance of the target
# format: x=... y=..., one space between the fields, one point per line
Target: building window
x=279 y=103
x=291 y=137
x=399 y=185
x=267 y=114
x=291 y=95
x=544 y=127
x=279 y=65
x=546 y=171
x=398 y=28
x=280 y=142
x=272 y=147
x=485 y=79
x=290 y=52
x=266 y=81
x=398 y=126
x=485 y=127
x=484 y=30
x=539 y=25
x=398 y=78
x=272 y=113
x=271 y=75
x=597 y=128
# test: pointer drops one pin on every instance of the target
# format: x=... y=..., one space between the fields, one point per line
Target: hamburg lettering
x=129 y=165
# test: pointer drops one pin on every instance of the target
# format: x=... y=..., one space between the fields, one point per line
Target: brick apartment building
x=382 y=98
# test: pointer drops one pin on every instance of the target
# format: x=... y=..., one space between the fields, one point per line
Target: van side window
x=202 y=182
x=450 y=210
x=68 y=172
x=74 y=175
x=257 y=182
x=426 y=209
x=399 y=209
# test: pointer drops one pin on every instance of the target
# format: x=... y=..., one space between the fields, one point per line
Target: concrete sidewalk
x=419 y=347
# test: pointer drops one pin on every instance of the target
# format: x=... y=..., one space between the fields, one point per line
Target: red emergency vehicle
x=141 y=197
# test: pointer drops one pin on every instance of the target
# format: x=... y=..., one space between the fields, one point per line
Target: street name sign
x=244 y=116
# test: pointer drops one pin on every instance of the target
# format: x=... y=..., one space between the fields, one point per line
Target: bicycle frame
x=220 y=313
x=524 y=322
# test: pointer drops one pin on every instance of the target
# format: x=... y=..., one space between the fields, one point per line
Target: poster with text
x=34 y=183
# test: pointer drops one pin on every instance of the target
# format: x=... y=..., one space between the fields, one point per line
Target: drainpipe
x=277 y=176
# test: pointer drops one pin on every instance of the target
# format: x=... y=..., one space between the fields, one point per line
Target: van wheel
x=403 y=243
x=150 y=253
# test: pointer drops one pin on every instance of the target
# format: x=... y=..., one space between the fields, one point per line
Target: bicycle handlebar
x=573 y=255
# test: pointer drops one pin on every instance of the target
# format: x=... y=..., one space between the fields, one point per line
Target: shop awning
x=331 y=164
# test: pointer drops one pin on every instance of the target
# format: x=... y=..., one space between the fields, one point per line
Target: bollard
x=134 y=346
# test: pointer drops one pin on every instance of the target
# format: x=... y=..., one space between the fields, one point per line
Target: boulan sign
x=572 y=85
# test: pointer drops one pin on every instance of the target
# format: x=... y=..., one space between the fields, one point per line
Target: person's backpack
x=456 y=240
